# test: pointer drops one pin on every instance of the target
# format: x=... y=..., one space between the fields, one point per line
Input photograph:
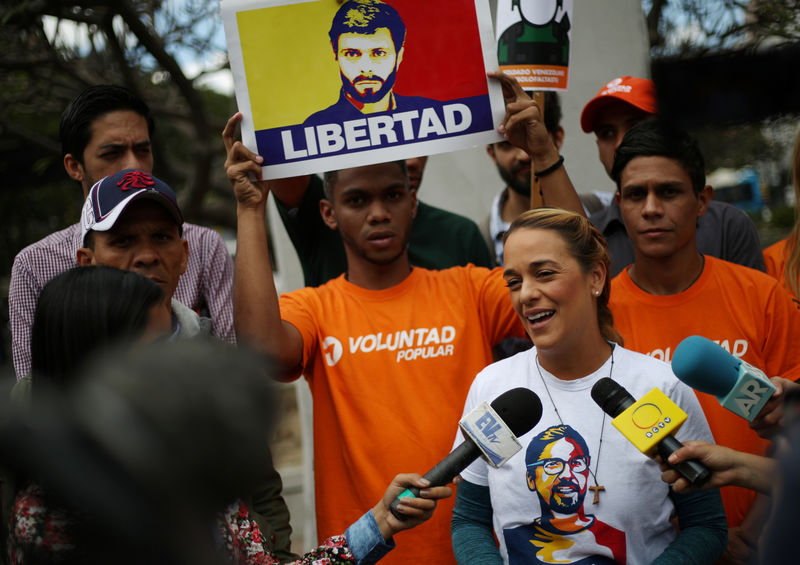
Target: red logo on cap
x=135 y=179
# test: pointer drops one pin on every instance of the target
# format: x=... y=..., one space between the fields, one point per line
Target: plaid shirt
x=207 y=282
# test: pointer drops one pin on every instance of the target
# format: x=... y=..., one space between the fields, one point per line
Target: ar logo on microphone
x=333 y=350
x=751 y=394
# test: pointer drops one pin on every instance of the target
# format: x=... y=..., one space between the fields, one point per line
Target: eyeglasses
x=556 y=466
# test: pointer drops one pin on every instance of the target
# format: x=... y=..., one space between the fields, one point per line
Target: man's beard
x=522 y=187
x=369 y=96
x=563 y=504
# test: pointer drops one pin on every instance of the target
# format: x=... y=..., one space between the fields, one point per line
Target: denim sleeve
x=366 y=541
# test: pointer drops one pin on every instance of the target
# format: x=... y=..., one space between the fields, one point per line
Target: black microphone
x=662 y=417
x=519 y=410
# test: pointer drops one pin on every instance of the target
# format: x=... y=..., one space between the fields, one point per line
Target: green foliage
x=133 y=43
x=783 y=217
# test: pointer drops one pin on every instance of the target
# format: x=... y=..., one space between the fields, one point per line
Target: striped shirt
x=206 y=284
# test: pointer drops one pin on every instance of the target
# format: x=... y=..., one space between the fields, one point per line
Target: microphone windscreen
x=520 y=409
x=611 y=396
x=705 y=366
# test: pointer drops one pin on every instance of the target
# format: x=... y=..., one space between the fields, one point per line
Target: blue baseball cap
x=109 y=197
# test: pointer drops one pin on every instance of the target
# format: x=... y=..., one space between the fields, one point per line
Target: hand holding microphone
x=488 y=431
x=728 y=467
x=415 y=509
x=648 y=424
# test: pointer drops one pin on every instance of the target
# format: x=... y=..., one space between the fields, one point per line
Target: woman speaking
x=578 y=491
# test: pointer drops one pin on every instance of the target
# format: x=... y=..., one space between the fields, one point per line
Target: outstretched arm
x=371 y=537
x=257 y=316
x=524 y=127
x=415 y=509
x=728 y=467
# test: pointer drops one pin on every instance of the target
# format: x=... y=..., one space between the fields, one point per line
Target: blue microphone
x=707 y=367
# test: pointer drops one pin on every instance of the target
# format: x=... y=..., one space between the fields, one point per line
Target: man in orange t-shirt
x=672 y=291
x=389 y=351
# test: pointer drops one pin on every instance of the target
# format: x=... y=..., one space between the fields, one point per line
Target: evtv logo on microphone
x=489 y=426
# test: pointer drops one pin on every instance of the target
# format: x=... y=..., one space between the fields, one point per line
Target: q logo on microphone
x=647 y=421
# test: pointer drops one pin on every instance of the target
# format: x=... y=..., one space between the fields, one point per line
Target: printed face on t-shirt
x=561 y=476
x=659 y=206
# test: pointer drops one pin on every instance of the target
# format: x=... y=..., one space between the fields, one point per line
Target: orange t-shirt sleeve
x=495 y=310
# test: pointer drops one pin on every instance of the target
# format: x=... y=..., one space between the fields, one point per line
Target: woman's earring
x=597 y=293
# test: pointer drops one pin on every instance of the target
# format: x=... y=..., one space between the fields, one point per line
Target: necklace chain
x=632 y=273
x=602 y=424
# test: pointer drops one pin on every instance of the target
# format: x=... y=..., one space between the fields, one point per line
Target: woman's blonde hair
x=585 y=243
x=792 y=274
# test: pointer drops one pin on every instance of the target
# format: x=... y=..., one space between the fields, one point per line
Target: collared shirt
x=497 y=227
x=206 y=284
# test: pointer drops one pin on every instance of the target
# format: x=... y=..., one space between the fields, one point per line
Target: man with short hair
x=389 y=350
x=106 y=129
x=674 y=290
x=723 y=231
x=368 y=38
x=439 y=238
x=131 y=221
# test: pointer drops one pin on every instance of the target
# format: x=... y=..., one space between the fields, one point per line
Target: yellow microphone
x=649 y=420
x=648 y=424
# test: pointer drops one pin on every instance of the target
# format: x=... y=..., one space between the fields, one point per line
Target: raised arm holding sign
x=523 y=126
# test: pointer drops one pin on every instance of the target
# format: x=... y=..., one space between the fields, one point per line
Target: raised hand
x=240 y=164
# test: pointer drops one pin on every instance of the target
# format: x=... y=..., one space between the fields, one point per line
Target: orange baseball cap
x=638 y=92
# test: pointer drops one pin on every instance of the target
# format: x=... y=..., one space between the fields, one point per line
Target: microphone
x=490 y=431
x=707 y=367
x=648 y=424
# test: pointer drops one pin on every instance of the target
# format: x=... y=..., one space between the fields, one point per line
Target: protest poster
x=533 y=42
x=324 y=85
